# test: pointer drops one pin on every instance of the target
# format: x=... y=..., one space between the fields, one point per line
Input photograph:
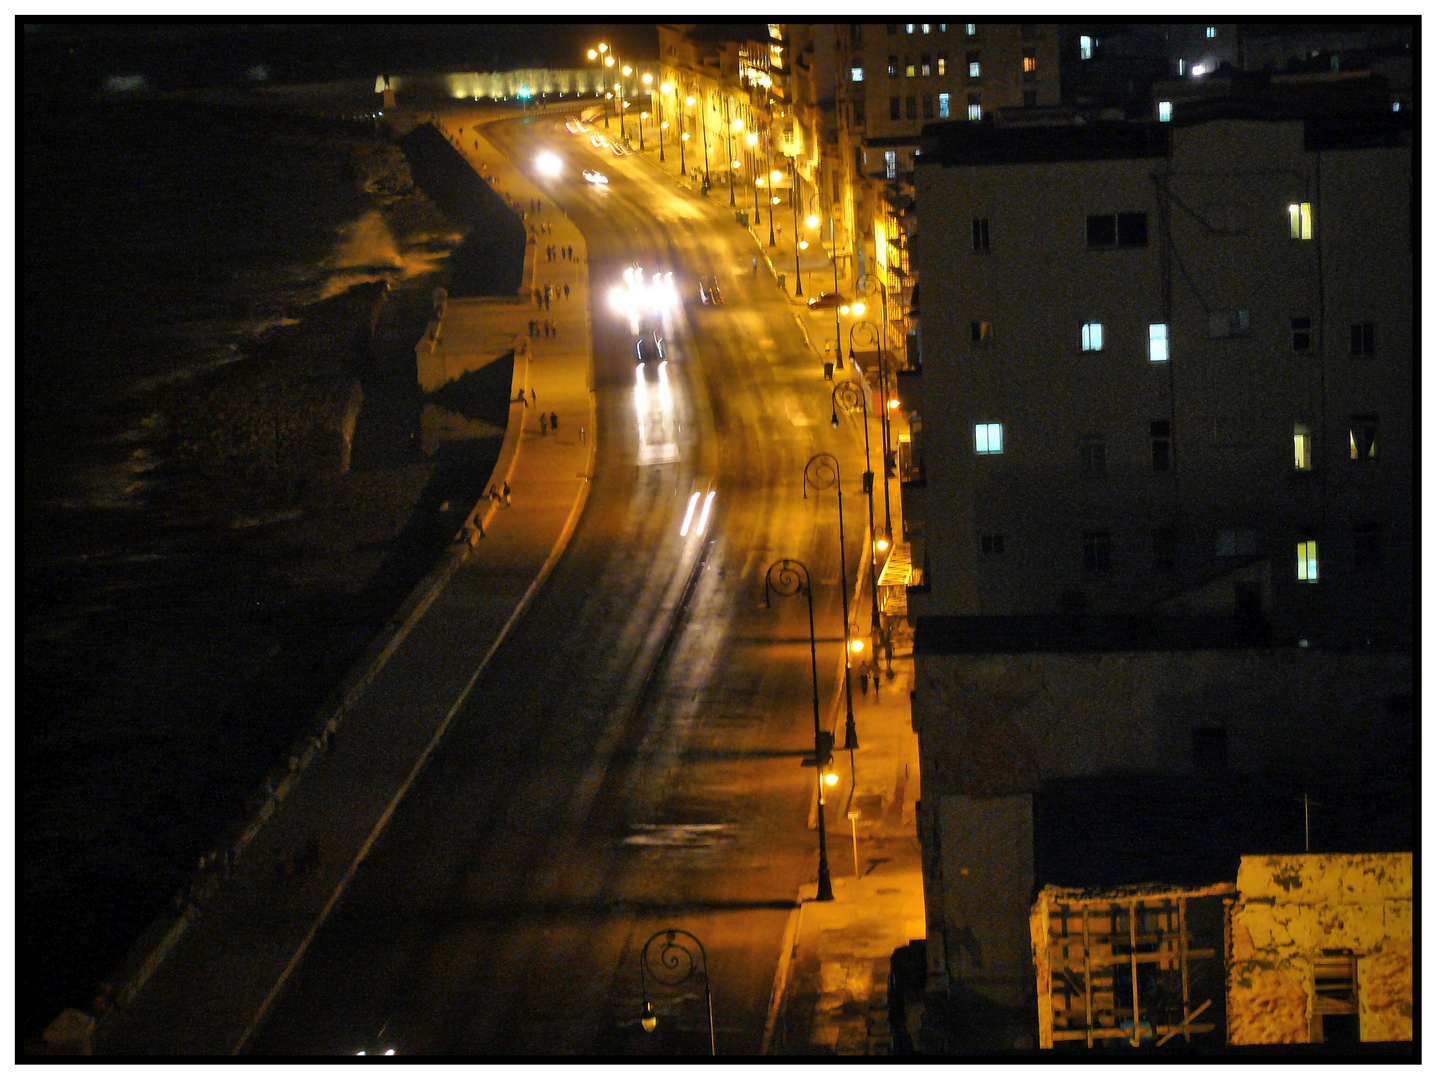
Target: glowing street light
x=811 y=221
x=822 y=472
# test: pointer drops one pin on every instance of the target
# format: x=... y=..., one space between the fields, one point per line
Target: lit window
x=1299 y=217
x=858 y=74
x=927 y=27
x=988 y=438
x=1182 y=67
x=1157 y=342
x=1212 y=31
x=1085 y=48
x=908 y=27
x=975 y=108
x=975 y=69
x=1307 y=560
x=1165 y=111
x=1396 y=105
x=981 y=332
x=927 y=61
x=908 y=69
x=943 y=106
x=971 y=29
x=892 y=66
x=1301 y=447
x=1030 y=61
x=942 y=65
x=1362 y=438
x=1092 y=337
x=890 y=164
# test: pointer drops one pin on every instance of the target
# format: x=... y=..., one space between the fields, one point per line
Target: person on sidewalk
x=554 y=420
x=543 y=424
x=506 y=493
x=493 y=493
x=566 y=292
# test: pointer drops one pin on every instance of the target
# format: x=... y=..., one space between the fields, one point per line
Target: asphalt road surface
x=631 y=760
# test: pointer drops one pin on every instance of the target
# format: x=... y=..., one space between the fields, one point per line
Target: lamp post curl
x=673 y=964
x=789 y=577
x=822 y=473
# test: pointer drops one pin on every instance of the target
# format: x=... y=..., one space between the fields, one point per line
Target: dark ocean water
x=161 y=244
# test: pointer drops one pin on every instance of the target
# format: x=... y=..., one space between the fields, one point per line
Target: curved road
x=631 y=760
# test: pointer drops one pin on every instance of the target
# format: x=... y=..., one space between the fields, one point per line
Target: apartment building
x=1160 y=490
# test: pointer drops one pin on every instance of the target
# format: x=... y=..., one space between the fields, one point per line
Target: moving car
x=597 y=140
x=650 y=347
x=574 y=126
x=593 y=176
x=826 y=300
x=709 y=291
x=618 y=149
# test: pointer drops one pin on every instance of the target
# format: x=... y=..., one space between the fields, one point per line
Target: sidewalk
x=201 y=982
x=831 y=990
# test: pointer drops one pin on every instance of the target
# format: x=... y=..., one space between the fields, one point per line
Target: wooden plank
x=1183 y=946
x=1187 y=1024
x=1087 y=980
x=1133 y=940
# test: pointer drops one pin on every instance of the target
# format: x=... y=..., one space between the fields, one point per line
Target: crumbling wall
x=1294 y=909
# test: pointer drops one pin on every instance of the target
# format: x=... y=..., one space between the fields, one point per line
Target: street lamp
x=704 y=119
x=788 y=577
x=853 y=399
x=602 y=61
x=752 y=140
x=735 y=125
x=647 y=80
x=673 y=965
x=793 y=201
x=664 y=88
x=824 y=468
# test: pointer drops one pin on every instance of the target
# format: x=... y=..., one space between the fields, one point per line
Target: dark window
x=855 y=34
x=1247 y=601
x=1165 y=550
x=1161 y=432
x=1097 y=552
x=1302 y=334
x=1030 y=99
x=1093 y=456
x=893 y=66
x=1366 y=545
x=858 y=111
x=1209 y=749
x=1362 y=437
x=928 y=106
x=893 y=28
x=1121 y=230
x=912 y=107
x=1362 y=339
x=895 y=108
x=980 y=234
x=991 y=545
x=1027 y=31
x=858 y=160
x=1102 y=230
x=1132 y=230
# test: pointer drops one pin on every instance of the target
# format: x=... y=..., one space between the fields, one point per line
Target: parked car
x=709 y=291
x=826 y=300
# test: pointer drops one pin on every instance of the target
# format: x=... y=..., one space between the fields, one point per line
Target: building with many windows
x=1160 y=492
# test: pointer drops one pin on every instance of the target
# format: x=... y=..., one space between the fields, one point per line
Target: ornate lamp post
x=853 y=398
x=732 y=125
x=823 y=473
x=752 y=140
x=626 y=71
x=797 y=243
x=704 y=119
x=684 y=135
x=664 y=88
x=788 y=577
x=673 y=965
x=597 y=55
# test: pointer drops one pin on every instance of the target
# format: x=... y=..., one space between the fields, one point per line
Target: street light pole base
x=850 y=735
x=825 y=885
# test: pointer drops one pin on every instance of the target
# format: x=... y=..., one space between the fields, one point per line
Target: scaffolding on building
x=1132 y=964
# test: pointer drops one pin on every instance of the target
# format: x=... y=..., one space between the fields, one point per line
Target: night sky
x=80 y=57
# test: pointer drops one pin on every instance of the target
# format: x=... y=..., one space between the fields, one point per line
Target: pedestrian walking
x=546 y=298
x=554 y=420
x=566 y=291
x=538 y=298
x=863 y=682
x=754 y=263
x=534 y=394
x=493 y=493
x=506 y=493
x=543 y=424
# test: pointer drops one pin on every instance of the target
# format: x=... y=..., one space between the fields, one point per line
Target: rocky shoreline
x=175 y=653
